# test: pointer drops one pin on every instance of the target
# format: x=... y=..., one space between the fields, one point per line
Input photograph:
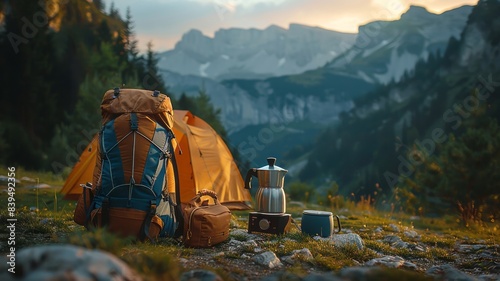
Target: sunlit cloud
x=393 y=7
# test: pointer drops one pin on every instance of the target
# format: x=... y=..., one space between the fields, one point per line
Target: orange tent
x=203 y=161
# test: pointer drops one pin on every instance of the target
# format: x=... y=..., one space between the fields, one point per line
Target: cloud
x=164 y=21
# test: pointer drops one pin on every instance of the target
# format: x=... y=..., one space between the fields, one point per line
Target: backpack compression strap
x=147 y=222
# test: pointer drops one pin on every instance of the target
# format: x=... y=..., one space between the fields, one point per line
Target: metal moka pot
x=270 y=197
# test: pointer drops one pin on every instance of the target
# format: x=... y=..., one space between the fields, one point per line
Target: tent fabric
x=211 y=163
x=82 y=171
x=203 y=161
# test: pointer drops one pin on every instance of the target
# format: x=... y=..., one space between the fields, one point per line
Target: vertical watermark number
x=11 y=219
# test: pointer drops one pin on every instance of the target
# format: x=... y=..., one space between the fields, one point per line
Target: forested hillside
x=58 y=58
x=429 y=137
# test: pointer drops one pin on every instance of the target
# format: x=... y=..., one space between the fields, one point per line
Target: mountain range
x=325 y=92
x=307 y=103
x=254 y=53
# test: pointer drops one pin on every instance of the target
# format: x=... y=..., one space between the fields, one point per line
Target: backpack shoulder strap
x=178 y=204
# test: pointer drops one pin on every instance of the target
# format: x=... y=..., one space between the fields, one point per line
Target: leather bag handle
x=204 y=192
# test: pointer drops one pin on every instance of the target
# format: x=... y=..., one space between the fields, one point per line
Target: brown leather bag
x=205 y=225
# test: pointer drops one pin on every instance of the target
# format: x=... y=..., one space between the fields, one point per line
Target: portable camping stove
x=272 y=223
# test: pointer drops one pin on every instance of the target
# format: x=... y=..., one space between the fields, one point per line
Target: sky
x=163 y=22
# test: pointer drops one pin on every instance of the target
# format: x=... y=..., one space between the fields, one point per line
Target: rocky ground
x=266 y=257
x=368 y=248
x=467 y=261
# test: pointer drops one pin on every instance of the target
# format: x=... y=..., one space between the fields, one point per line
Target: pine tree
x=129 y=37
x=152 y=78
x=104 y=33
x=113 y=11
x=134 y=65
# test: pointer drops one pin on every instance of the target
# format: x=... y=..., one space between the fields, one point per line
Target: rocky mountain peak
x=275 y=28
x=385 y=50
x=192 y=38
x=416 y=12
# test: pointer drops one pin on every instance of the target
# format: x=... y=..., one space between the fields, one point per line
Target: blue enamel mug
x=319 y=223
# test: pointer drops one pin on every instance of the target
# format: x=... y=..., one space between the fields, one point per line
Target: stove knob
x=264 y=224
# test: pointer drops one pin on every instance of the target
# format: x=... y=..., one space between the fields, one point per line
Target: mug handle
x=339 y=224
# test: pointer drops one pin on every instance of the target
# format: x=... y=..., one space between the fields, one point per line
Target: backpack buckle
x=116 y=93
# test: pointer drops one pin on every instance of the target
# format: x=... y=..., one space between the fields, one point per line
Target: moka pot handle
x=248 y=178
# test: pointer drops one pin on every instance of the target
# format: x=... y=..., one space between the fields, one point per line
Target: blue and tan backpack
x=134 y=176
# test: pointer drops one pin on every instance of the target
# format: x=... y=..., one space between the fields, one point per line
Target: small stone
x=378 y=230
x=42 y=185
x=392 y=239
x=258 y=250
x=411 y=234
x=342 y=240
x=302 y=253
x=410 y=266
x=288 y=260
x=27 y=179
x=234 y=242
x=245 y=256
x=401 y=245
x=268 y=259
x=465 y=248
x=388 y=261
x=394 y=228
x=251 y=243
x=417 y=247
